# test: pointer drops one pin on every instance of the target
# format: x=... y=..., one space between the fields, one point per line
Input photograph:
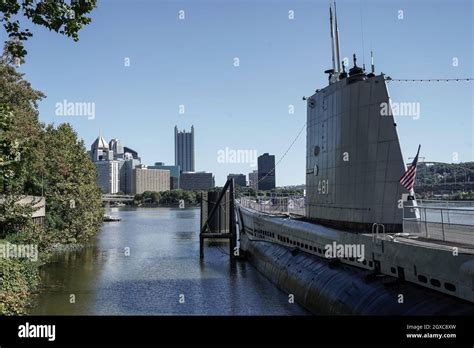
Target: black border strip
x=194 y=330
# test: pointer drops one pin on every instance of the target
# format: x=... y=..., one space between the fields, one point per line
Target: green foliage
x=17 y=279
x=14 y=217
x=138 y=198
x=35 y=159
x=171 y=197
x=438 y=173
x=53 y=163
x=62 y=16
x=463 y=196
x=44 y=161
x=9 y=148
x=249 y=191
x=73 y=199
x=150 y=197
x=453 y=181
x=20 y=130
x=174 y=196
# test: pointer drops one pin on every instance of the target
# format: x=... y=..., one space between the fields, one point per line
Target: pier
x=218 y=218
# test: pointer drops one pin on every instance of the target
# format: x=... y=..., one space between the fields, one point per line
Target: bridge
x=117 y=198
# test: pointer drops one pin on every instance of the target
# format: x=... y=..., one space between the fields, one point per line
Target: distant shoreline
x=157 y=205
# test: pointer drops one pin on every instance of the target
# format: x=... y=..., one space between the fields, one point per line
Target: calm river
x=148 y=264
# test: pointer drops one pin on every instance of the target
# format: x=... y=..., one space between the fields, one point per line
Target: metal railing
x=445 y=204
x=450 y=221
x=292 y=205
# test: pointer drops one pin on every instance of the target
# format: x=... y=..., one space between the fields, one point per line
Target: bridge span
x=117 y=198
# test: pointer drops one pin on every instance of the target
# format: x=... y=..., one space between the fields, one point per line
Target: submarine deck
x=460 y=236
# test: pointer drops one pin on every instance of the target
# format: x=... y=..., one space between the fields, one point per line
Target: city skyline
x=210 y=159
x=256 y=105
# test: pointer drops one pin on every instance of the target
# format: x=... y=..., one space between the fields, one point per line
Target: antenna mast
x=338 y=58
x=372 y=62
x=332 y=40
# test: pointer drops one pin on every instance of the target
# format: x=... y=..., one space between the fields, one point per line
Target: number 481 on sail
x=323 y=187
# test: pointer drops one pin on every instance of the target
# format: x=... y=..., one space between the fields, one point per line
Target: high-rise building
x=196 y=181
x=239 y=179
x=253 y=179
x=107 y=168
x=126 y=174
x=116 y=146
x=100 y=150
x=108 y=176
x=266 y=172
x=174 y=173
x=184 y=149
x=131 y=152
x=145 y=179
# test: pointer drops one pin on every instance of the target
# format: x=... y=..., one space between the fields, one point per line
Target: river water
x=148 y=264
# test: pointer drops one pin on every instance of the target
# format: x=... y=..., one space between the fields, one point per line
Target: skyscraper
x=239 y=179
x=100 y=150
x=266 y=172
x=126 y=174
x=130 y=152
x=116 y=146
x=107 y=169
x=108 y=176
x=184 y=149
x=253 y=180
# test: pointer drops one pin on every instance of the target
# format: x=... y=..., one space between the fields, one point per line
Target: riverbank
x=20 y=277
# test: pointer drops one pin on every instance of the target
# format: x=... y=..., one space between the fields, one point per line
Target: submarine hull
x=329 y=287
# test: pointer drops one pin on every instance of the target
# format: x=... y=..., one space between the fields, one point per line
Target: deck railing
x=292 y=205
x=449 y=221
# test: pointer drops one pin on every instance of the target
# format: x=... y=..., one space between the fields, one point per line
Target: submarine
x=360 y=201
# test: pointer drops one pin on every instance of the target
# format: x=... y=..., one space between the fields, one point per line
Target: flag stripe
x=408 y=179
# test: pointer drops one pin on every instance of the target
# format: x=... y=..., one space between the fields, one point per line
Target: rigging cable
x=286 y=152
x=466 y=79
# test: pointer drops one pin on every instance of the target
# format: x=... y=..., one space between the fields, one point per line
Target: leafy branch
x=66 y=17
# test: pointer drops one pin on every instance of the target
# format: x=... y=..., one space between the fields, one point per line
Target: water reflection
x=162 y=265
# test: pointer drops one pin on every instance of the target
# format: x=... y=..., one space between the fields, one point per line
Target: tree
x=150 y=197
x=20 y=126
x=72 y=196
x=36 y=159
x=9 y=149
x=62 y=16
x=43 y=160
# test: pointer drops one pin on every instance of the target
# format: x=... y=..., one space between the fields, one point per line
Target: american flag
x=408 y=179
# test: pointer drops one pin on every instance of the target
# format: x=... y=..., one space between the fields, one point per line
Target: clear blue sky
x=190 y=62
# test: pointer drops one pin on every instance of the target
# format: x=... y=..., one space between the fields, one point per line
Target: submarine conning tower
x=353 y=156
